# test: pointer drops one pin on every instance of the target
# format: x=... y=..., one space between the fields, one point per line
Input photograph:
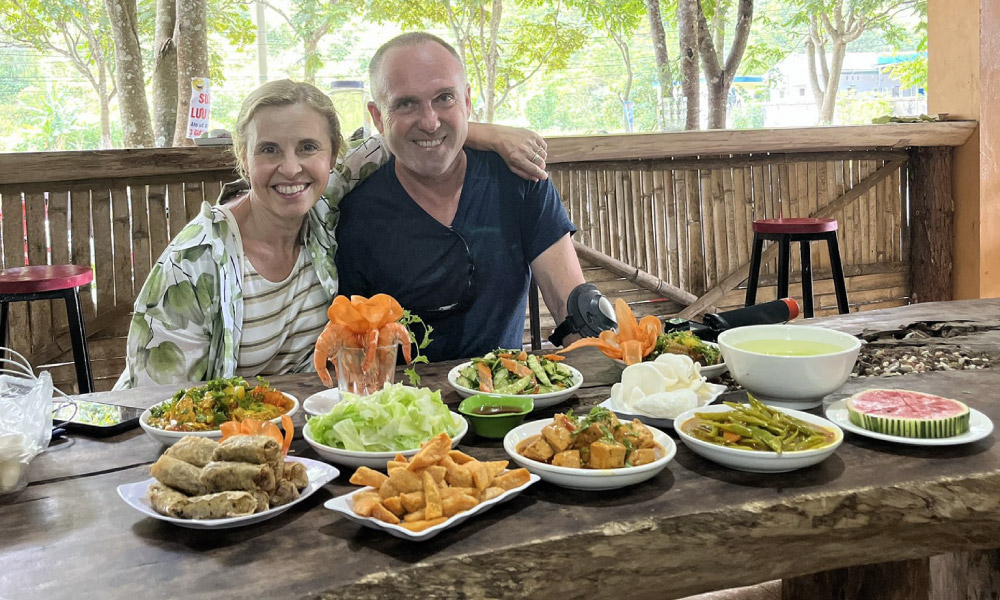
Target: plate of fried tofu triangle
x=434 y=490
x=592 y=452
x=204 y=484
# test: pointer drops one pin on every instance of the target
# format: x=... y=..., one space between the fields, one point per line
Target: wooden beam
x=635 y=275
x=34 y=167
x=752 y=141
x=734 y=278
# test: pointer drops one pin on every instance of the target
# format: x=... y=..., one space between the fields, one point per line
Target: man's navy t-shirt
x=468 y=281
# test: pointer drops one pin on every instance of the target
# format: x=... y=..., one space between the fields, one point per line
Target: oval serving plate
x=374 y=460
x=320 y=473
x=586 y=479
x=980 y=426
x=169 y=438
x=541 y=400
x=759 y=461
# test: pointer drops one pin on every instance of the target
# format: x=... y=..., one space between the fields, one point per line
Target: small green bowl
x=495 y=426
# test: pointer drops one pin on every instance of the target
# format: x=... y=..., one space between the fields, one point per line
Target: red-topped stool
x=47 y=282
x=804 y=231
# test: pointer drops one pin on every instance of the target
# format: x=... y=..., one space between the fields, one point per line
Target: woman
x=233 y=293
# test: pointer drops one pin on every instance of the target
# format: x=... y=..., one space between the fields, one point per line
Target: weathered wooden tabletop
x=695 y=527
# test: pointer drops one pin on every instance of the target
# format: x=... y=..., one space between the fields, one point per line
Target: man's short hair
x=411 y=38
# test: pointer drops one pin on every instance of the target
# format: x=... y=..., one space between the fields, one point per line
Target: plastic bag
x=25 y=426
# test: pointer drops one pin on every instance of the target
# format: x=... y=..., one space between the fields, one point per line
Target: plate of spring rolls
x=200 y=483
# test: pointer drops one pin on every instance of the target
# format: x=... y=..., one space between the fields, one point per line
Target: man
x=449 y=232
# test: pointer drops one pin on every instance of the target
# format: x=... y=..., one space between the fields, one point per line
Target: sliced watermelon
x=908 y=414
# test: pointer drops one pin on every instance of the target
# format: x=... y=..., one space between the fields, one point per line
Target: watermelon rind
x=955 y=423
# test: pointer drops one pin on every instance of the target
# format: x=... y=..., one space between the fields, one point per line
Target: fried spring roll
x=263 y=500
x=225 y=475
x=165 y=499
x=221 y=505
x=193 y=450
x=284 y=493
x=257 y=449
x=296 y=473
x=178 y=475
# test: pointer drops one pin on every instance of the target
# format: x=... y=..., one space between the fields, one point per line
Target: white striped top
x=281 y=320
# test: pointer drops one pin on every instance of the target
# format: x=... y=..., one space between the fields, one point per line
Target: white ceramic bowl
x=586 y=479
x=168 y=438
x=541 y=400
x=789 y=381
x=758 y=461
x=374 y=460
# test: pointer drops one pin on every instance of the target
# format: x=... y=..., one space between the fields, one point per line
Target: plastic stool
x=804 y=231
x=46 y=282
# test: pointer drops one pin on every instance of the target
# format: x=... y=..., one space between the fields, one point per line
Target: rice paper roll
x=165 y=499
x=193 y=450
x=226 y=475
x=220 y=505
x=256 y=449
x=284 y=493
x=178 y=475
x=296 y=473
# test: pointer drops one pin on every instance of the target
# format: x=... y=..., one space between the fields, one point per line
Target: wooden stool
x=804 y=231
x=46 y=282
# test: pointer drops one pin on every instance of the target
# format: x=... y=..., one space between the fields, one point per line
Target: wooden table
x=693 y=528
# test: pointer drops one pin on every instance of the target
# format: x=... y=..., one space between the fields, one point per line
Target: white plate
x=374 y=460
x=980 y=426
x=169 y=438
x=321 y=403
x=344 y=505
x=654 y=421
x=759 y=461
x=134 y=494
x=710 y=372
x=541 y=400
x=586 y=479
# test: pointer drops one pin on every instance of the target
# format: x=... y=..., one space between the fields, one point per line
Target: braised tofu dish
x=596 y=441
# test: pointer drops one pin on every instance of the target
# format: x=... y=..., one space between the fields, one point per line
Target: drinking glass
x=353 y=377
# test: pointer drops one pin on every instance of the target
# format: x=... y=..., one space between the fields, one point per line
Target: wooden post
x=902 y=580
x=932 y=210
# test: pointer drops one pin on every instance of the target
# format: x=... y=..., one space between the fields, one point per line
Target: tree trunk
x=719 y=76
x=132 y=106
x=664 y=76
x=687 y=28
x=191 y=36
x=832 y=83
x=164 y=84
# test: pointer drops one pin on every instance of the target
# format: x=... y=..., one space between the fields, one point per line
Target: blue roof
x=899 y=58
x=748 y=79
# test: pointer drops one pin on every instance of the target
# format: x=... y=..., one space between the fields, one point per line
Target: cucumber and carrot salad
x=515 y=372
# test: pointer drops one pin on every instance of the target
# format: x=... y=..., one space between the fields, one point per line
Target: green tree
x=500 y=51
x=719 y=74
x=618 y=19
x=309 y=22
x=831 y=26
x=76 y=30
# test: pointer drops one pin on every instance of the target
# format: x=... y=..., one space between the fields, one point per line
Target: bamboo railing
x=663 y=212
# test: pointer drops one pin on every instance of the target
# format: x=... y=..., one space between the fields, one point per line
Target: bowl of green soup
x=793 y=366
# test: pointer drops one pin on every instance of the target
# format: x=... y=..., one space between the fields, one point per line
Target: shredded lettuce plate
x=395 y=418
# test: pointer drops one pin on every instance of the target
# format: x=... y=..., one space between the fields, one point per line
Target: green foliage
x=855 y=109
x=534 y=39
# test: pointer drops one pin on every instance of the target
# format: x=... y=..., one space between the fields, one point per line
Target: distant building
x=866 y=73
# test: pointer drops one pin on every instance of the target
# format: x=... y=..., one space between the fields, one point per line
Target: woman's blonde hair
x=283 y=92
